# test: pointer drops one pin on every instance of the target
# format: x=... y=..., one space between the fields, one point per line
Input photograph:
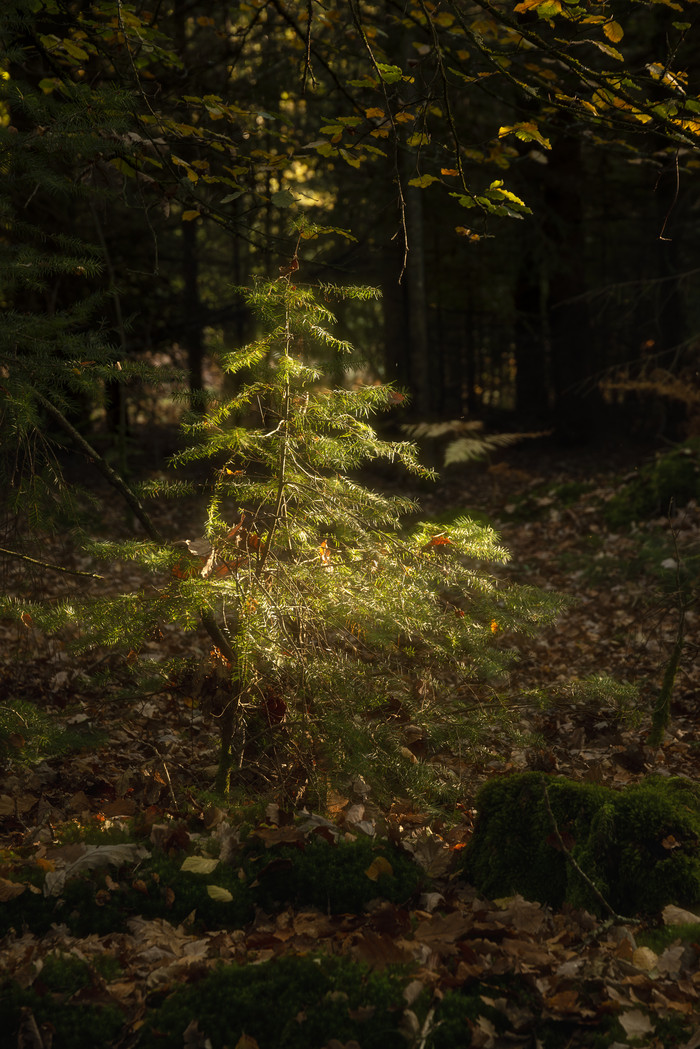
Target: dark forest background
x=520 y=180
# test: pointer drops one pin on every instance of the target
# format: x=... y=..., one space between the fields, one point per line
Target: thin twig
x=672 y=205
x=167 y=778
x=45 y=564
x=308 y=71
x=103 y=466
x=570 y=859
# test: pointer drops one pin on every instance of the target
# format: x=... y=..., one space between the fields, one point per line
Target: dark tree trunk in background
x=192 y=335
x=671 y=312
x=405 y=308
x=396 y=357
x=424 y=376
x=572 y=347
x=532 y=401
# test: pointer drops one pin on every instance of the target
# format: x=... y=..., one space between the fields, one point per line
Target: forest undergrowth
x=135 y=773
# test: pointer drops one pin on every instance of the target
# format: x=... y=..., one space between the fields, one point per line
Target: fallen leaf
x=199 y=864
x=566 y=1001
x=522 y=914
x=678 y=916
x=378 y=950
x=377 y=867
x=635 y=1023
x=216 y=892
x=278 y=835
x=694 y=1041
x=93 y=856
x=246 y=1041
x=443 y=929
x=670 y=961
x=644 y=958
x=9 y=890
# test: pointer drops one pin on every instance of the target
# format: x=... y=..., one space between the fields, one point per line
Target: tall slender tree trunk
x=572 y=345
x=532 y=402
x=193 y=337
x=424 y=377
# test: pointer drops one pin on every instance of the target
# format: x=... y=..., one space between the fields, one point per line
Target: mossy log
x=557 y=841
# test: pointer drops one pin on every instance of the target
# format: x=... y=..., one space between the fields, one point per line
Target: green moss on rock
x=640 y=846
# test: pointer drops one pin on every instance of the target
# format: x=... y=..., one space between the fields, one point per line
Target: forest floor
x=589 y=982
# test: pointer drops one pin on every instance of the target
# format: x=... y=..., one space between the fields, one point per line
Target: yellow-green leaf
x=187 y=216
x=549 y=9
x=354 y=162
x=613 y=31
x=74 y=51
x=199 y=864
x=221 y=895
x=421 y=181
x=282 y=199
x=527 y=131
x=389 y=74
x=420 y=138
x=612 y=52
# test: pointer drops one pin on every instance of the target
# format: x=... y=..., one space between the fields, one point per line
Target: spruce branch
x=207 y=617
x=103 y=466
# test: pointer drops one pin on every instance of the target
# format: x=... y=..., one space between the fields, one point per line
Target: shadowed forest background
x=519 y=180
x=277 y=683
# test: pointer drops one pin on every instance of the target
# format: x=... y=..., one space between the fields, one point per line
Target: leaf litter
x=580 y=970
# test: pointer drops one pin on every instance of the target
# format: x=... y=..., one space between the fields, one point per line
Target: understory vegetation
x=333 y=625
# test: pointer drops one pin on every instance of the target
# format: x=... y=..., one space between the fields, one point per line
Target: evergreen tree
x=335 y=624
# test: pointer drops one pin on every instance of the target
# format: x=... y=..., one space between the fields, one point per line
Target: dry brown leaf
x=246 y=1041
x=694 y=1040
x=566 y=1001
x=636 y=1024
x=670 y=961
x=644 y=958
x=313 y=924
x=443 y=930
x=278 y=835
x=678 y=916
x=378 y=950
x=9 y=890
x=521 y=914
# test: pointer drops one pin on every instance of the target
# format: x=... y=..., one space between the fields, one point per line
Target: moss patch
x=672 y=479
x=288 y=1003
x=639 y=846
x=337 y=878
x=62 y=1001
x=309 y=871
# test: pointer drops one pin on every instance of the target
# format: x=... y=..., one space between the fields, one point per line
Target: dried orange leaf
x=378 y=867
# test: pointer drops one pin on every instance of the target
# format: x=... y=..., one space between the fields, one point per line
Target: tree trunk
x=192 y=320
x=572 y=348
x=531 y=373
